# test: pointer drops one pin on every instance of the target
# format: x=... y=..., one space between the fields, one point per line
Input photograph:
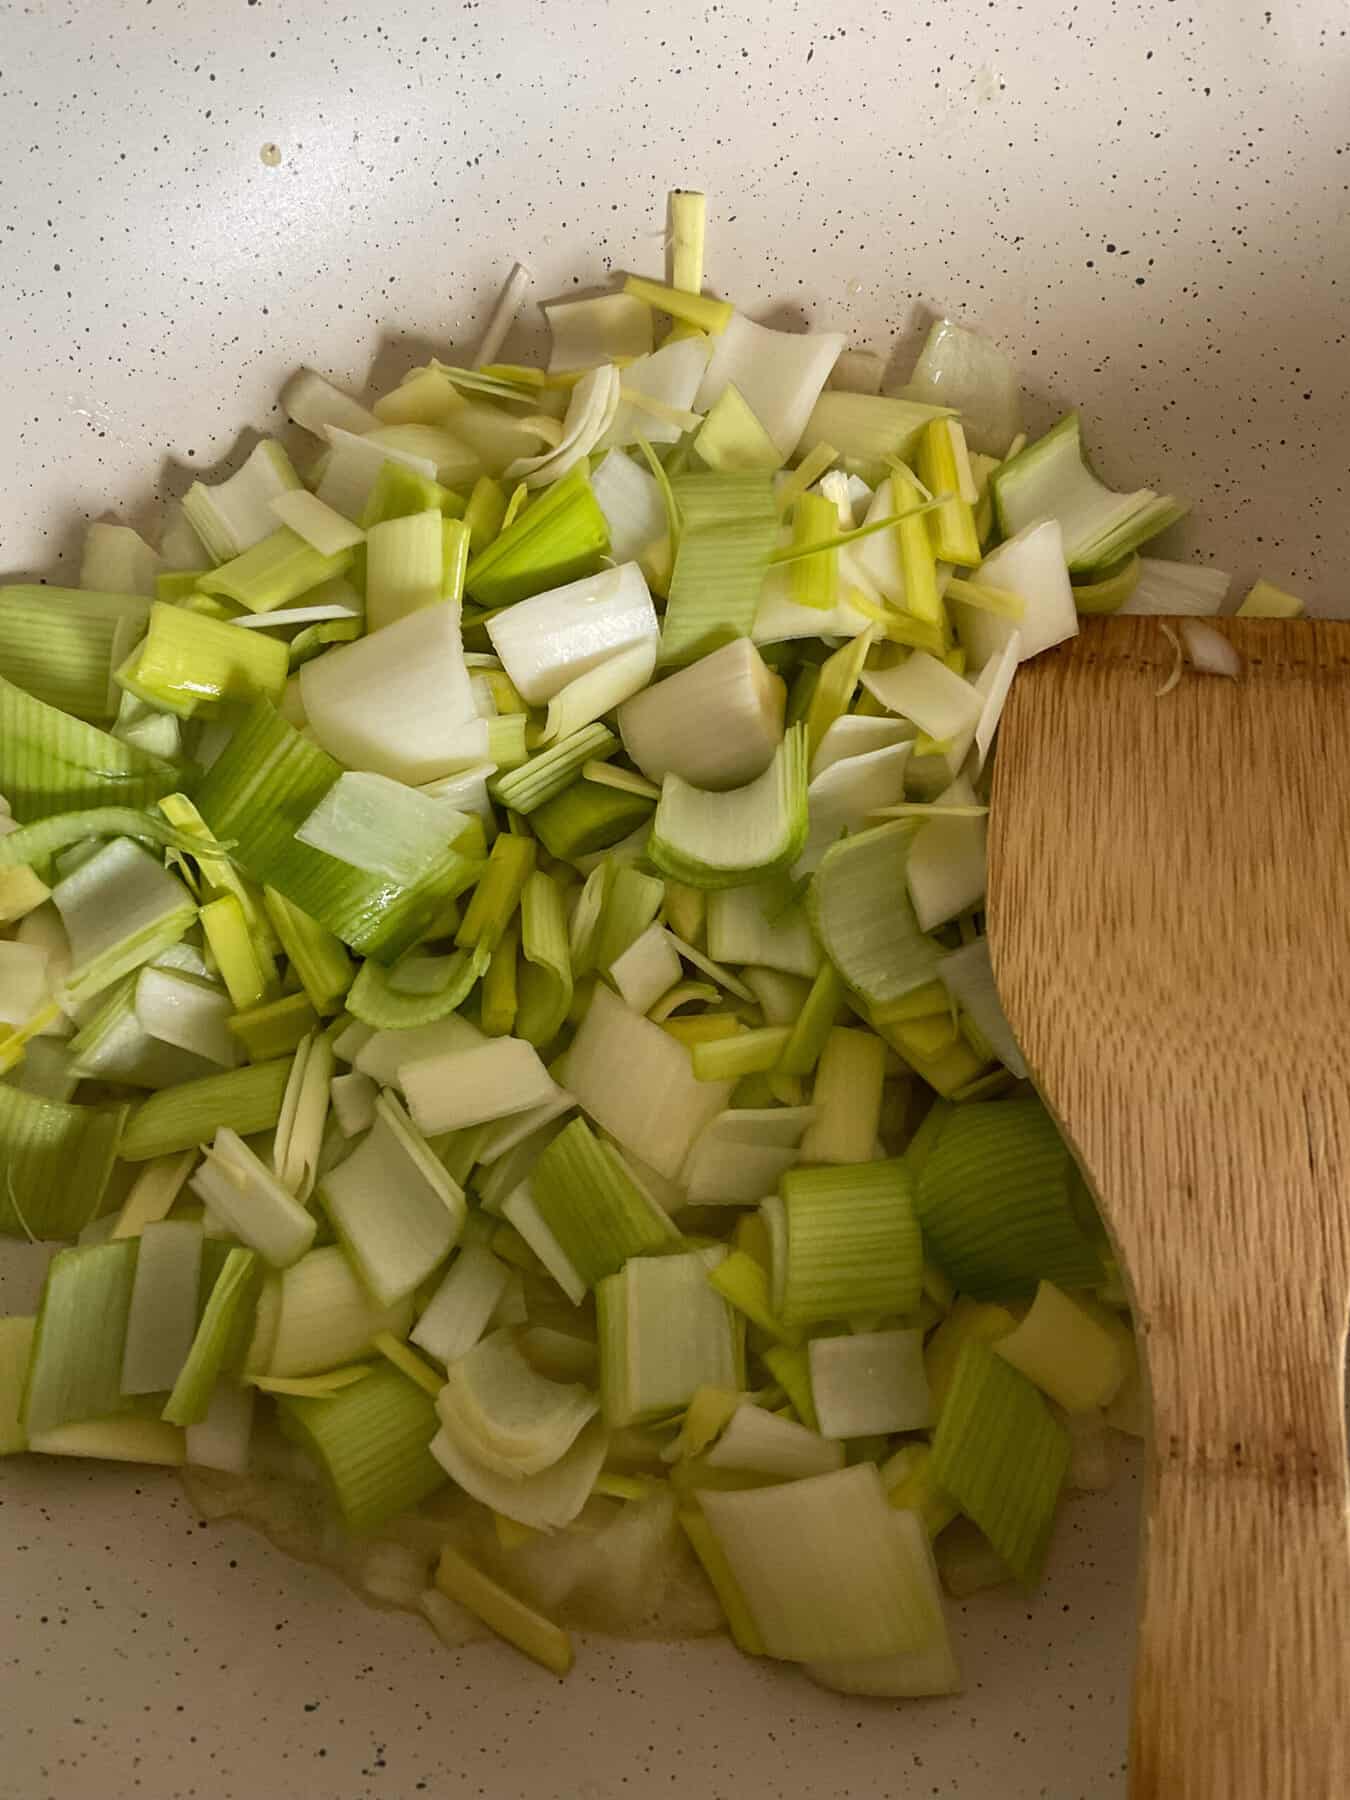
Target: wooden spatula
x=1169 y=916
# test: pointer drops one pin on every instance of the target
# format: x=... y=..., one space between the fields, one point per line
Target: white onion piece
x=1209 y=650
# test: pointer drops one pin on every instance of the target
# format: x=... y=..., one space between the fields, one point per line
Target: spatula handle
x=1242 y=1686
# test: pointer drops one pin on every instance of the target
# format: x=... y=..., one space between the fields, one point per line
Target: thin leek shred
x=62 y=644
x=726 y=840
x=1002 y=1456
x=546 y=775
x=51 y=762
x=372 y=1441
x=850 y=1246
x=592 y=1205
x=459 y=1583
x=260 y=791
x=1000 y=1201
x=730 y=526
x=221 y=1340
x=56 y=1161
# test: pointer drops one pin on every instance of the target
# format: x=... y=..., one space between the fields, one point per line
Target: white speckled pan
x=1146 y=201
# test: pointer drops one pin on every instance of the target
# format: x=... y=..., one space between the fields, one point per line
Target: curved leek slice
x=711 y=840
x=372 y=1441
x=511 y=1419
x=1050 y=479
x=860 y=909
x=376 y=1001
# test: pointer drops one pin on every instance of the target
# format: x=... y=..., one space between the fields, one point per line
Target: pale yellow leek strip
x=12 y=1041
x=153 y=1193
x=1000 y=601
x=692 y=309
x=21 y=892
x=312 y=1387
x=415 y=1367
x=502 y=1612
x=813 y=465
x=688 y=225
x=658 y=409
x=503 y=315
x=744 y=1632
x=623 y=1487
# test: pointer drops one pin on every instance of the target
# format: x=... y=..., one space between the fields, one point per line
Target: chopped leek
x=725 y=840
x=715 y=724
x=592 y=1205
x=1066 y=1351
x=870 y=1383
x=62 y=644
x=849 y=1245
x=1050 y=479
x=1001 y=1455
x=326 y=1317
x=75 y=1366
x=51 y=762
x=664 y=1333
x=244 y=1100
x=191 y=664
x=730 y=526
x=56 y=1161
x=372 y=1441
x=396 y=1211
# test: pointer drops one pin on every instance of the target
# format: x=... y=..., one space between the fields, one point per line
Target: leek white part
x=1176 y=587
x=648 y=968
x=335 y=598
x=638 y=1084
x=751 y=925
x=506 y=1415
x=327 y=1317
x=162 y=1321
x=222 y=1440
x=395 y=1209
x=926 y=692
x=664 y=1333
x=857 y=735
x=743 y=1154
x=780 y=374
x=716 y=723
x=353 y=467
x=631 y=501
x=707 y=966
x=857 y=372
x=313 y=403
x=117 y=560
x=516 y=1127
x=457 y=1314
x=504 y=314
x=353 y=1096
x=468 y=1087
x=316 y=523
x=843 y=799
x=25 y=982
x=549 y=640
x=547 y=1501
x=600 y=690
x=393 y=702
x=467 y=791
x=767 y=1445
x=236 y=514
x=946 y=866
x=968 y=976
x=911 y=1674
x=780 y=619
x=178 y=1009
x=590 y=412
x=600 y=330
x=781 y=997
x=825 y=1570
x=120 y=908
x=381 y=826
x=670 y=379
x=1030 y=565
x=383 y=1053
x=1209 y=651
x=994 y=684
x=961 y=369
x=255 y=1207
x=522 y=1212
x=870 y=1384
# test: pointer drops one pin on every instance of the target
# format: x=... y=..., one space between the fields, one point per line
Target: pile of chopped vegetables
x=492 y=981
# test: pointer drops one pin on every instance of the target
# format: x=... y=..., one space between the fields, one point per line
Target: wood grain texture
x=1168 y=891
